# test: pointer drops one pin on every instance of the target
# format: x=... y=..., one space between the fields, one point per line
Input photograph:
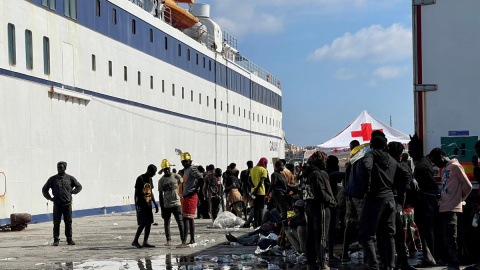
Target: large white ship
x=111 y=86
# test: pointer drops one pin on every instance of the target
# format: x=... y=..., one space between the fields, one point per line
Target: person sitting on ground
x=272 y=214
x=252 y=238
x=296 y=227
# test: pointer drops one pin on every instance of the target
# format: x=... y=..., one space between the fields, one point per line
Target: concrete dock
x=104 y=242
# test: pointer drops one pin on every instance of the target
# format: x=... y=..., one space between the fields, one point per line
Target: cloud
x=390 y=72
x=375 y=43
x=269 y=16
x=239 y=18
x=344 y=74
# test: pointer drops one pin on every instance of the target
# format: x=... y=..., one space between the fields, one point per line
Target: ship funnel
x=200 y=11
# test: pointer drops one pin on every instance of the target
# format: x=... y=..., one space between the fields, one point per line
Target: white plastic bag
x=227 y=220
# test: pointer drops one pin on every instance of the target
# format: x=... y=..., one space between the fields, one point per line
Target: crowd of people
x=379 y=200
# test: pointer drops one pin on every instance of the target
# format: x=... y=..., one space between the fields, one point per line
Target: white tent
x=359 y=130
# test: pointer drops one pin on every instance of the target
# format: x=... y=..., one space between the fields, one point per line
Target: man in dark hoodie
x=319 y=198
x=378 y=215
x=395 y=149
x=427 y=203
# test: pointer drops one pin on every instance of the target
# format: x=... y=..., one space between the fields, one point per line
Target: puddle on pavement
x=198 y=262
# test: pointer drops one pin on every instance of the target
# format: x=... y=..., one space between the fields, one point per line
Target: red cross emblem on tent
x=365 y=132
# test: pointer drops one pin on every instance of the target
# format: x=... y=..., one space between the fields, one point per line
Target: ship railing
x=229 y=39
x=164 y=13
x=257 y=70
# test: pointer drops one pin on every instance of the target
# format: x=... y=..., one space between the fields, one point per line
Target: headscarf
x=263 y=162
x=318 y=159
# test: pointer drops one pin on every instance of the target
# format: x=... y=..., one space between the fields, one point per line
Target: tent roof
x=360 y=130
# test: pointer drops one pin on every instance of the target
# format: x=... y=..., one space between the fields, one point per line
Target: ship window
x=244 y=113
x=197 y=59
x=203 y=62
x=173 y=89
x=228 y=107
x=163 y=86
x=166 y=43
x=238 y=111
x=207 y=102
x=191 y=95
x=29 y=49
x=12 y=54
x=70 y=8
x=98 y=8
x=221 y=105
x=139 y=78
x=125 y=77
x=188 y=54
x=233 y=111
x=134 y=30
x=183 y=93
x=249 y=114
x=46 y=56
x=110 y=68
x=151 y=35
x=179 y=50
x=94 y=63
x=215 y=103
x=114 y=16
x=199 y=98
x=151 y=82
x=210 y=65
x=49 y=3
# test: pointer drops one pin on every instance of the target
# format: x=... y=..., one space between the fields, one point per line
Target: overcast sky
x=335 y=58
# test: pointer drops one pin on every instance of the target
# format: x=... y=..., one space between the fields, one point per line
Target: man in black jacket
x=427 y=203
x=63 y=186
x=378 y=215
x=319 y=198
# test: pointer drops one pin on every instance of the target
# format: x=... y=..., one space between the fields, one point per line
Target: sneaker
x=346 y=261
x=70 y=242
x=55 y=242
x=136 y=244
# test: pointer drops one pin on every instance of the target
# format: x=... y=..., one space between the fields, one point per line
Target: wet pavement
x=103 y=242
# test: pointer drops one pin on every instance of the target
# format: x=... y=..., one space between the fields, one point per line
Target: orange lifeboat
x=179 y=17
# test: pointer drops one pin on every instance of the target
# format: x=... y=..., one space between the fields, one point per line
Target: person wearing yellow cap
x=170 y=201
x=192 y=180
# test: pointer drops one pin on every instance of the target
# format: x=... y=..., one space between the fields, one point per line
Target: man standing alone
x=143 y=204
x=63 y=186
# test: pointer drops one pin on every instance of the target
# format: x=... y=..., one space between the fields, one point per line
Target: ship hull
x=109 y=122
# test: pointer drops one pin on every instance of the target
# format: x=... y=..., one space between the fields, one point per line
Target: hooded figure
x=383 y=173
x=319 y=198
